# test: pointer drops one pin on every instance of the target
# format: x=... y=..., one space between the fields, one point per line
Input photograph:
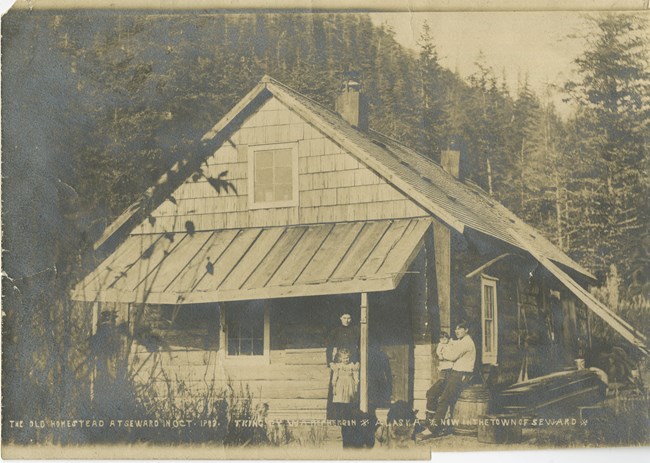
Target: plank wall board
x=196 y=267
x=276 y=372
x=166 y=247
x=393 y=264
x=266 y=269
x=125 y=255
x=223 y=264
x=365 y=242
x=251 y=260
x=183 y=255
x=378 y=255
x=304 y=251
x=332 y=250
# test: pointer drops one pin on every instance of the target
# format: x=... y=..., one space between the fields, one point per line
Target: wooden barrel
x=500 y=429
x=472 y=403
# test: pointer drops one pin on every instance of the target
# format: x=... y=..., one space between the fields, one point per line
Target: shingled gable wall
x=333 y=185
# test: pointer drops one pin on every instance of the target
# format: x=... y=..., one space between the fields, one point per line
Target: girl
x=345 y=378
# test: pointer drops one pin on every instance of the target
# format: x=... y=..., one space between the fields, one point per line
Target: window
x=247 y=331
x=273 y=176
x=193 y=326
x=489 y=320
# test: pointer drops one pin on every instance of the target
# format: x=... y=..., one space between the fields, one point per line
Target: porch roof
x=256 y=263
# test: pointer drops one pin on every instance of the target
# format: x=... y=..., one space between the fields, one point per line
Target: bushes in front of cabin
x=161 y=408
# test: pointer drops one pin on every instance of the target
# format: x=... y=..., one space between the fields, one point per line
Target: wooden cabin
x=242 y=257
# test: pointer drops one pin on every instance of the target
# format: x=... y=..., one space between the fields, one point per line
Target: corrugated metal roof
x=256 y=263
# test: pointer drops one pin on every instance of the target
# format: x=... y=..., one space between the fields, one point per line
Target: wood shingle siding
x=333 y=185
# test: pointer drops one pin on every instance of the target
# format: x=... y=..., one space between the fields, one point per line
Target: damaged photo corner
x=325 y=230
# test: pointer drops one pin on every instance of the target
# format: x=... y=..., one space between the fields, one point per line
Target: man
x=463 y=353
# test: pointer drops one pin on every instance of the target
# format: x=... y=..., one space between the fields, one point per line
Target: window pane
x=283 y=192
x=245 y=330
x=282 y=175
x=258 y=347
x=273 y=175
x=246 y=347
x=263 y=193
x=263 y=159
x=233 y=344
x=488 y=336
x=283 y=158
x=263 y=176
x=256 y=323
x=488 y=300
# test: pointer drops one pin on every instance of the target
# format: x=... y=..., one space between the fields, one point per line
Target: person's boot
x=437 y=428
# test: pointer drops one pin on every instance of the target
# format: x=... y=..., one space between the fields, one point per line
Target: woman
x=342 y=354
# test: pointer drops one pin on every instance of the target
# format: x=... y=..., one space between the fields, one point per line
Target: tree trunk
x=521 y=176
x=558 y=212
x=489 y=176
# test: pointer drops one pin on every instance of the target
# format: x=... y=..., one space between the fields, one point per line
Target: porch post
x=442 y=252
x=363 y=354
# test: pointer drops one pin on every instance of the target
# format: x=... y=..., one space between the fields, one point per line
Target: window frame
x=263 y=359
x=491 y=356
x=252 y=150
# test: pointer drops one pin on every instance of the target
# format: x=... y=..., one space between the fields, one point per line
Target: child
x=345 y=378
x=444 y=367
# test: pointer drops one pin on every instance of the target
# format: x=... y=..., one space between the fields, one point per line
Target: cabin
x=242 y=257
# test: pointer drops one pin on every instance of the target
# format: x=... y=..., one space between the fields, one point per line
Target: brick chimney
x=451 y=159
x=352 y=106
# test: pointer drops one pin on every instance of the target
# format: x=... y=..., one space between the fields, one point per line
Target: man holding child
x=457 y=359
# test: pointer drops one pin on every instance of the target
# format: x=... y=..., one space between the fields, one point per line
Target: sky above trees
x=540 y=44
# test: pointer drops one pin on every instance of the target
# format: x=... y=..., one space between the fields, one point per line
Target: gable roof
x=458 y=204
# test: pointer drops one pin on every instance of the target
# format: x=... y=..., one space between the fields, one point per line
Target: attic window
x=273 y=176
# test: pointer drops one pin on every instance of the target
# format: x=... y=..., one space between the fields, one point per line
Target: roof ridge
x=268 y=79
x=403 y=145
x=271 y=80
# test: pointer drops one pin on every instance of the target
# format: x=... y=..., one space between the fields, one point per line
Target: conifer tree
x=612 y=132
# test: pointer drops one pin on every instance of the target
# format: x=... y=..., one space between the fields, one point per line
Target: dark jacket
x=344 y=337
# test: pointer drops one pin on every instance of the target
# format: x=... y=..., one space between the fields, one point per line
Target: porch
x=252 y=309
